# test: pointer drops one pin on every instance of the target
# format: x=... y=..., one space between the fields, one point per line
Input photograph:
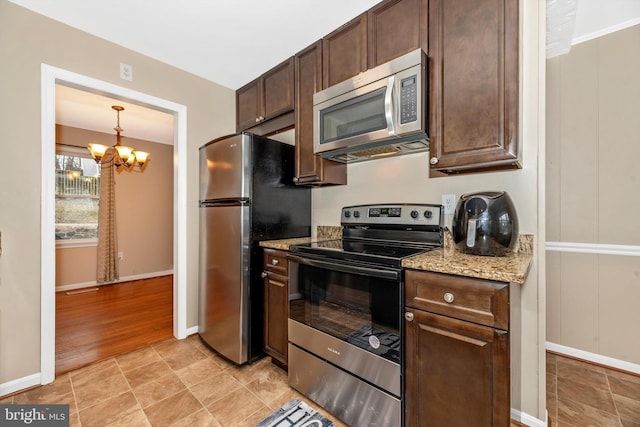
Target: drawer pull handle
x=448 y=297
x=264 y=274
x=408 y=316
x=274 y=261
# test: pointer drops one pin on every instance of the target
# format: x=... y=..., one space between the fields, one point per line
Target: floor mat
x=295 y=414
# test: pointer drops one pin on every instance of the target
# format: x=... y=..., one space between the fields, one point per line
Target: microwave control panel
x=409 y=99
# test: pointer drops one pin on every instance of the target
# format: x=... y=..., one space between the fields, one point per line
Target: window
x=77 y=197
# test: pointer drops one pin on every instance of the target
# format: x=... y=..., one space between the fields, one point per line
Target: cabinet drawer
x=481 y=301
x=276 y=261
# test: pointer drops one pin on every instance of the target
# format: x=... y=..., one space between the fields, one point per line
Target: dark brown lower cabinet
x=457 y=372
x=276 y=305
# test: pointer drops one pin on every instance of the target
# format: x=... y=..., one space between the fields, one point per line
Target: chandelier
x=122 y=156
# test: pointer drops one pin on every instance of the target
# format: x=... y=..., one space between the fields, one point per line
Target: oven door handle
x=347 y=268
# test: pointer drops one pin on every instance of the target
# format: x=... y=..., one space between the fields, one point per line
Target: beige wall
x=406 y=179
x=144 y=210
x=26 y=41
x=593 y=194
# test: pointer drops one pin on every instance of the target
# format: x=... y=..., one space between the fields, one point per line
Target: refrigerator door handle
x=224 y=202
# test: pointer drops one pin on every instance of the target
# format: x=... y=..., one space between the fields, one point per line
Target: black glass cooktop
x=383 y=253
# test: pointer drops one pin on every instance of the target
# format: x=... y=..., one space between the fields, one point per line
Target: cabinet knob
x=257 y=119
x=433 y=161
x=296 y=179
x=264 y=274
x=448 y=297
x=408 y=316
x=274 y=262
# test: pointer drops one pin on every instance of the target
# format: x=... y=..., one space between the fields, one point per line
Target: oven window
x=362 y=310
x=357 y=116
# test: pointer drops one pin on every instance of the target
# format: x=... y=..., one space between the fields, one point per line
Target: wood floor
x=93 y=325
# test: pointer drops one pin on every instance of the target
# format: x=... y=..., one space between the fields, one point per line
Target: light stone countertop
x=512 y=268
x=324 y=232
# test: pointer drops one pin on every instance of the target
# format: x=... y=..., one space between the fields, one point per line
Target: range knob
x=428 y=214
x=347 y=214
x=414 y=214
x=356 y=214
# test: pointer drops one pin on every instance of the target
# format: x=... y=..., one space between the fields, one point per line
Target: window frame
x=74 y=151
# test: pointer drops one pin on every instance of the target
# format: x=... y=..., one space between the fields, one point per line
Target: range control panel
x=392 y=214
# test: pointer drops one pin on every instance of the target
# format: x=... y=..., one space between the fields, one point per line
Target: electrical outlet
x=126 y=72
x=120 y=256
x=449 y=203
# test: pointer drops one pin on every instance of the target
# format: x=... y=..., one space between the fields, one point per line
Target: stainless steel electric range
x=345 y=309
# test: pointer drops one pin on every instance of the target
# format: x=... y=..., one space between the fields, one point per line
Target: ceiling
x=233 y=42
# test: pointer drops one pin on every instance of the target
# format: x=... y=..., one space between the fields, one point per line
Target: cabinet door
x=456 y=373
x=344 y=51
x=277 y=85
x=473 y=49
x=311 y=168
x=276 y=300
x=248 y=105
x=396 y=27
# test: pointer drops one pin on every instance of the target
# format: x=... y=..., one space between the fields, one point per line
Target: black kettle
x=485 y=223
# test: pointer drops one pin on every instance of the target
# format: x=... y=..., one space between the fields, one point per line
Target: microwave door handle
x=388 y=106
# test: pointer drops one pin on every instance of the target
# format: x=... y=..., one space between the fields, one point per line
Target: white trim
x=74 y=286
x=529 y=420
x=192 y=330
x=47 y=227
x=605 y=31
x=594 y=248
x=19 y=384
x=76 y=243
x=180 y=221
x=49 y=77
x=593 y=357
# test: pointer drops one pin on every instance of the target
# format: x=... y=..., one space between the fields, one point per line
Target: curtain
x=107 y=266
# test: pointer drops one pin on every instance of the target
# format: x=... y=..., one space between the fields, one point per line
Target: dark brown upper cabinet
x=344 y=51
x=473 y=79
x=396 y=27
x=269 y=96
x=311 y=169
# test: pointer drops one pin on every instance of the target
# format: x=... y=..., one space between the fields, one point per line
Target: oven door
x=349 y=315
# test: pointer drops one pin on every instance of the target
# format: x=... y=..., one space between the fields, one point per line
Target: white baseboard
x=122 y=279
x=19 y=384
x=593 y=357
x=527 y=419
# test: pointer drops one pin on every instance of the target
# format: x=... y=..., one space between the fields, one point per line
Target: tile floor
x=183 y=383
x=580 y=395
x=172 y=383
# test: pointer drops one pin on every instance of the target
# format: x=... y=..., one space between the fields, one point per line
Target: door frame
x=50 y=76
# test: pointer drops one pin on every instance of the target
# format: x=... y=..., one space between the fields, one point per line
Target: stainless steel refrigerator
x=247 y=195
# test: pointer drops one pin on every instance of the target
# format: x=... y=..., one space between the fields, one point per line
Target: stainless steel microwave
x=378 y=113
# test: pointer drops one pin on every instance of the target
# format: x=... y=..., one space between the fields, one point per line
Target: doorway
x=50 y=77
